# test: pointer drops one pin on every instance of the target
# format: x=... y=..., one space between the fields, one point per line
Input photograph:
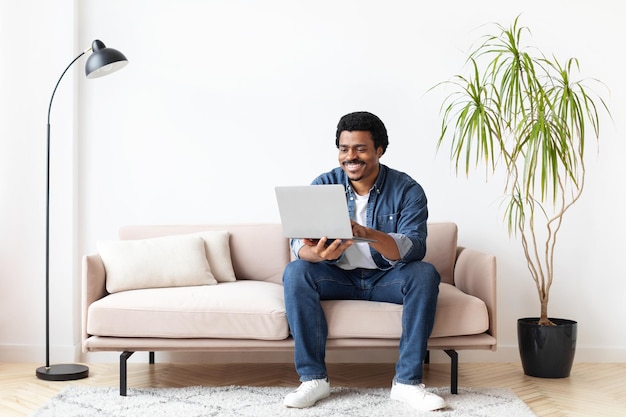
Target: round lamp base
x=65 y=372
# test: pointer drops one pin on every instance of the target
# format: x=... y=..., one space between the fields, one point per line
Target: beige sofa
x=133 y=299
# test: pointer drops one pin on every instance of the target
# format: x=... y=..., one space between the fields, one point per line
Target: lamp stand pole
x=62 y=372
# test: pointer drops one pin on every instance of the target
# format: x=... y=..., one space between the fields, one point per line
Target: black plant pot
x=547 y=351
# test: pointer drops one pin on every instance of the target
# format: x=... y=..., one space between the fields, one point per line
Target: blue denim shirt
x=397 y=206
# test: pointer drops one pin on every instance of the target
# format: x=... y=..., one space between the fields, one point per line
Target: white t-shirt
x=358 y=255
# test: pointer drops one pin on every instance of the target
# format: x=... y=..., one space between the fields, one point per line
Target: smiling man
x=390 y=208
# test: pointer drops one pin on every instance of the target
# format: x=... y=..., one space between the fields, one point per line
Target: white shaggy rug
x=267 y=401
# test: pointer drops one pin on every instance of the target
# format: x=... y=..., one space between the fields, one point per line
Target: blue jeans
x=415 y=285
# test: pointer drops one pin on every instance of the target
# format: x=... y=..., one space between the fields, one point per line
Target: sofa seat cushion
x=229 y=310
x=457 y=314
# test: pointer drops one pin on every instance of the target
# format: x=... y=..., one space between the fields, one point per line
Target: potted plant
x=524 y=113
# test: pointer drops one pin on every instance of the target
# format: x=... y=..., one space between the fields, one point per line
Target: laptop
x=315 y=211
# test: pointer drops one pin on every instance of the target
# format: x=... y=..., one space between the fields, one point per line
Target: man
x=390 y=208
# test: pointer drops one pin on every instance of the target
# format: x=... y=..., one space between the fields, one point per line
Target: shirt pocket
x=387 y=223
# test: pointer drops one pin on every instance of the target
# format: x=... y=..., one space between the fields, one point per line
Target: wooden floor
x=592 y=390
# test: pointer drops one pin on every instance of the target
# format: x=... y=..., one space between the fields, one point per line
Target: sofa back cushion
x=441 y=245
x=258 y=251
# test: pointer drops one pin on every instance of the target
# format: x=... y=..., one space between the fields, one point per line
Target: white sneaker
x=417 y=397
x=308 y=393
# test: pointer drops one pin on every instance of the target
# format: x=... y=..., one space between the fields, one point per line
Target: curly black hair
x=367 y=121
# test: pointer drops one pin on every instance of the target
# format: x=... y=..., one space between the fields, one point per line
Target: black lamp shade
x=103 y=60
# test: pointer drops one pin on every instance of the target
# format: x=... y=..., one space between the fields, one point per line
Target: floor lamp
x=102 y=62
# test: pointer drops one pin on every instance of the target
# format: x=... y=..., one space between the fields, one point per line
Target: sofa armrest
x=93 y=286
x=475 y=274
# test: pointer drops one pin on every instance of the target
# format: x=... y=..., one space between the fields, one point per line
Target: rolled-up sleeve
x=404 y=244
x=296 y=245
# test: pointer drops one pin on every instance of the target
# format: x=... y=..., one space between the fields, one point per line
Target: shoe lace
x=418 y=390
x=421 y=389
x=307 y=386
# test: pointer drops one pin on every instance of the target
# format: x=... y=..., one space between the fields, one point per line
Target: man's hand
x=382 y=242
x=317 y=250
x=359 y=231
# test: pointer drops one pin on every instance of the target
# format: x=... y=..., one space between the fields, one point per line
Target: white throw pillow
x=171 y=261
x=218 y=253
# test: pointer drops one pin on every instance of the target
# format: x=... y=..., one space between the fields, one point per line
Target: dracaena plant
x=523 y=112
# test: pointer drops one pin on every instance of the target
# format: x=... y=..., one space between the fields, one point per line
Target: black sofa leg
x=124 y=372
x=151 y=358
x=454 y=371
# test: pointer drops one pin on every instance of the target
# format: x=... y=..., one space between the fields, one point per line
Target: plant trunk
x=543 y=319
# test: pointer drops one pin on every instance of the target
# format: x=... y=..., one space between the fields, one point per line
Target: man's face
x=358 y=157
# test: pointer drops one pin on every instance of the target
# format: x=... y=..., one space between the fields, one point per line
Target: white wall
x=37 y=41
x=223 y=100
